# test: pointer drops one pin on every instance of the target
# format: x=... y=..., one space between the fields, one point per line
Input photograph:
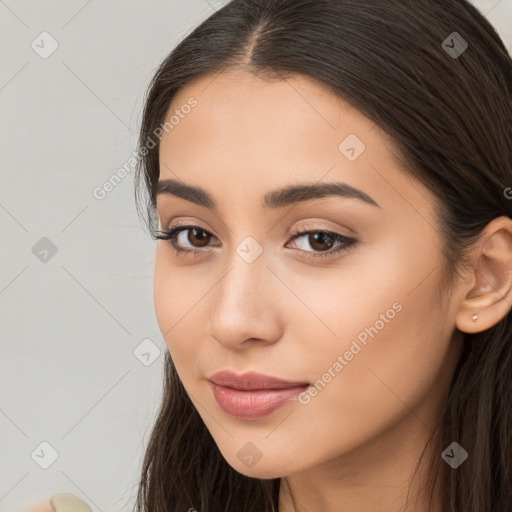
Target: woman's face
x=363 y=323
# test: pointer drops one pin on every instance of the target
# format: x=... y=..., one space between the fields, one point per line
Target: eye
x=323 y=241
x=196 y=234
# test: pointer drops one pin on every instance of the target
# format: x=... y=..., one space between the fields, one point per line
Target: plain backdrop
x=80 y=349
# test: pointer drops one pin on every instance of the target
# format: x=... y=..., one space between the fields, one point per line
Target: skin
x=354 y=446
x=40 y=506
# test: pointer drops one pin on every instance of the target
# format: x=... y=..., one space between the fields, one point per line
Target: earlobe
x=489 y=298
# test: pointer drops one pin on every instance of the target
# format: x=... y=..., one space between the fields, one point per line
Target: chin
x=261 y=472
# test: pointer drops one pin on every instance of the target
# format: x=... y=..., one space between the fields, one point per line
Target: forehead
x=245 y=136
x=236 y=105
x=241 y=120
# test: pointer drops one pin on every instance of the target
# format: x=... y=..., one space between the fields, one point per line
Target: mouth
x=252 y=395
x=252 y=381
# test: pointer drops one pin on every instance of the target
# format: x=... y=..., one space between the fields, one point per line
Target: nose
x=246 y=305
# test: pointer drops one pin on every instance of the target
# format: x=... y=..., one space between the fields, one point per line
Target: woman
x=330 y=182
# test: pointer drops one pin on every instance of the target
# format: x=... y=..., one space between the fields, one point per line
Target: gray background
x=81 y=351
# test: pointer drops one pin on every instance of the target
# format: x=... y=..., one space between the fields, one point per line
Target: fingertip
x=40 y=506
x=67 y=502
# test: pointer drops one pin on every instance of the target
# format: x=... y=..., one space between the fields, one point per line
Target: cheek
x=172 y=298
x=388 y=351
x=180 y=298
x=173 y=292
x=163 y=300
x=388 y=291
x=400 y=368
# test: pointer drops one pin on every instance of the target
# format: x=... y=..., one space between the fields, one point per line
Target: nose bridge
x=243 y=285
x=245 y=305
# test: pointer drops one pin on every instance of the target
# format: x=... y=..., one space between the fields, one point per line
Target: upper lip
x=252 y=381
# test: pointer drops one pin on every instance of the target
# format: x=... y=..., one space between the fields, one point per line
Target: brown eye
x=198 y=237
x=321 y=241
x=186 y=239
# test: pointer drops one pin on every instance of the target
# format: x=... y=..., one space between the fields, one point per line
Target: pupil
x=319 y=239
x=201 y=239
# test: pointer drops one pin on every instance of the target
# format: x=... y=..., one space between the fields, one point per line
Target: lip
x=252 y=381
x=252 y=395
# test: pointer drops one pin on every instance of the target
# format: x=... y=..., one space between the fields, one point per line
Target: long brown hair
x=448 y=110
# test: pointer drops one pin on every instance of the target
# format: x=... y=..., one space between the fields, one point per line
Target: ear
x=489 y=284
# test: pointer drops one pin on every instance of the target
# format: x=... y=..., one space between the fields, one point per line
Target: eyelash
x=347 y=242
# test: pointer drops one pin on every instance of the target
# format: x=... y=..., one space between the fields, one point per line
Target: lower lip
x=253 y=405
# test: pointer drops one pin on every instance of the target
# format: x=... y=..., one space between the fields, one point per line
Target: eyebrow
x=275 y=199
